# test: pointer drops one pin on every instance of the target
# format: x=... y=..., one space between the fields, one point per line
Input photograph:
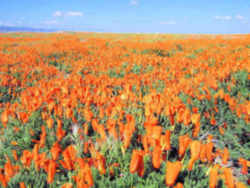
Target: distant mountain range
x=5 y=29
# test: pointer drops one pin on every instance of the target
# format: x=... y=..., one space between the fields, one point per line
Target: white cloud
x=7 y=24
x=133 y=2
x=58 y=14
x=168 y=22
x=50 y=22
x=239 y=17
x=19 y=22
x=223 y=18
x=71 y=13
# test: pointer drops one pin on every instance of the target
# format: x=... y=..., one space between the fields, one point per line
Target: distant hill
x=5 y=29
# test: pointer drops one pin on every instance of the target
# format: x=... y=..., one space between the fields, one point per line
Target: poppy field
x=124 y=110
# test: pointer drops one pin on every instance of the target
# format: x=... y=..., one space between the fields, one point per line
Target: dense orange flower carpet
x=124 y=110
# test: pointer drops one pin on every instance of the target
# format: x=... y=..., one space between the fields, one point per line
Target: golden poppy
x=51 y=171
x=213 y=178
x=172 y=171
x=157 y=158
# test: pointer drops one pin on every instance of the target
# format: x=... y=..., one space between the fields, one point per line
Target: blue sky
x=148 y=16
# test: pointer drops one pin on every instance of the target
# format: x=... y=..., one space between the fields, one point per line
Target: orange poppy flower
x=14 y=153
x=195 y=148
x=101 y=163
x=156 y=132
x=240 y=185
x=51 y=105
x=50 y=123
x=4 y=117
x=9 y=170
x=179 y=185
x=203 y=155
x=195 y=118
x=136 y=163
x=67 y=185
x=42 y=137
x=51 y=171
x=35 y=155
x=243 y=163
x=184 y=142
x=24 y=116
x=213 y=176
x=26 y=158
x=172 y=171
x=101 y=131
x=55 y=150
x=145 y=143
x=69 y=156
x=229 y=179
x=88 y=176
x=209 y=151
x=59 y=131
x=14 y=143
x=225 y=156
x=212 y=120
x=221 y=130
x=196 y=130
x=22 y=185
x=156 y=158
x=3 y=180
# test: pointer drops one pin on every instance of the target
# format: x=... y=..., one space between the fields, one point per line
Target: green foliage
x=191 y=56
x=159 y=52
x=61 y=66
x=242 y=85
x=5 y=96
x=196 y=178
